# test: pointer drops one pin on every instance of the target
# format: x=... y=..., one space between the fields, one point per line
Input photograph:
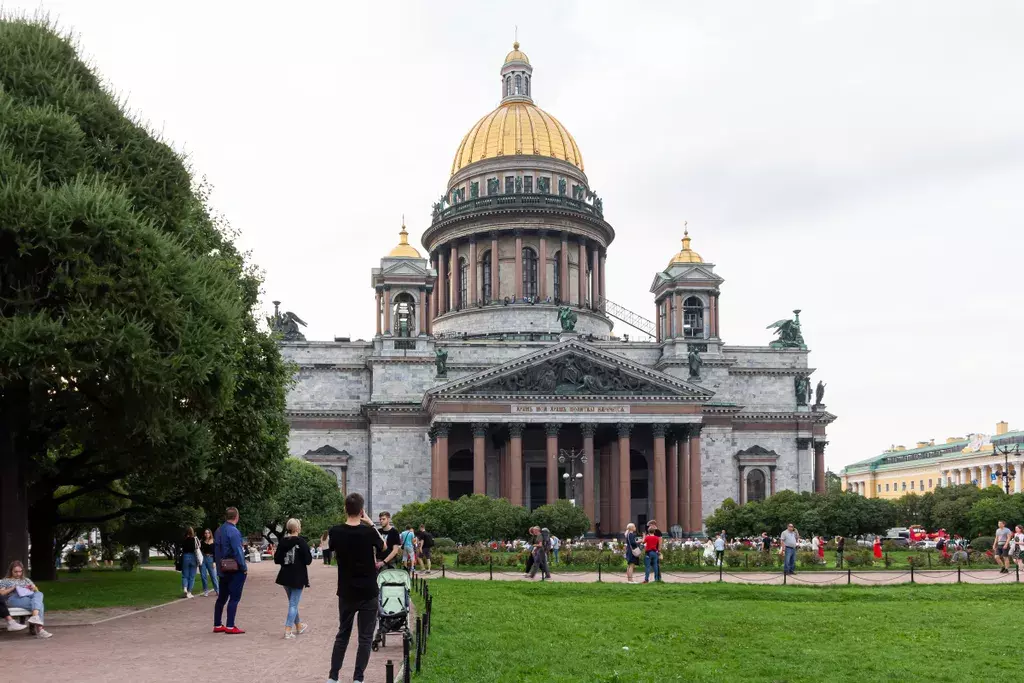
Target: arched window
x=529 y=271
x=519 y=85
x=404 y=314
x=508 y=86
x=755 y=485
x=558 y=276
x=463 y=283
x=486 y=274
x=693 y=318
x=527 y=86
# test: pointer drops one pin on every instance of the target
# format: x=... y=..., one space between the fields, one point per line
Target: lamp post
x=1006 y=451
x=569 y=458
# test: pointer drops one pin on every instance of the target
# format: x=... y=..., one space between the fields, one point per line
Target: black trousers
x=366 y=610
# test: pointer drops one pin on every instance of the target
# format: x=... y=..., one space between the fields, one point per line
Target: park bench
x=19 y=614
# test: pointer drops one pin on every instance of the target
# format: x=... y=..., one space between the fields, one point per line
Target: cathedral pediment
x=403 y=267
x=572 y=369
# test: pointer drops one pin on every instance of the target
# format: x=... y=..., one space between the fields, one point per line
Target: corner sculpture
x=441 y=361
x=802 y=386
x=286 y=324
x=567 y=318
x=694 y=360
x=789 y=334
x=819 y=394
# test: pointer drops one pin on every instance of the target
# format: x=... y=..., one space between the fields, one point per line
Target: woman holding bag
x=633 y=551
x=206 y=564
x=294 y=556
x=191 y=558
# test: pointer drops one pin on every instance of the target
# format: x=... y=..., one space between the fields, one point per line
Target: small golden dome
x=517 y=128
x=404 y=249
x=516 y=55
x=687 y=255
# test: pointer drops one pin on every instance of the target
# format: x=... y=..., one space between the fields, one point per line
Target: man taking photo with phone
x=356 y=545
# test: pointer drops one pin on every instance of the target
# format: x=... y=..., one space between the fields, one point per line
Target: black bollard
x=1017 y=569
x=419 y=641
x=599 y=572
x=720 y=567
x=442 y=571
x=490 y=569
x=911 y=572
x=958 y=572
x=389 y=672
x=849 y=575
x=406 y=668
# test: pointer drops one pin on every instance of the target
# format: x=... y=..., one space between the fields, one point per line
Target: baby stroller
x=393 y=588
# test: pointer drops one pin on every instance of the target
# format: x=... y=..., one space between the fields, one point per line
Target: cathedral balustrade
x=443 y=212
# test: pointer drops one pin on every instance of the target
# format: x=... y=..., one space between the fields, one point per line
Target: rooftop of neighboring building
x=925 y=451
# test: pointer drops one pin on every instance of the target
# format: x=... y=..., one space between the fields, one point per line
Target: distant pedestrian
x=392 y=539
x=540 y=554
x=325 y=550
x=840 y=548
x=190 y=560
x=408 y=538
x=208 y=569
x=426 y=546
x=231 y=569
x=294 y=556
x=355 y=544
x=877 y=548
x=652 y=552
x=556 y=544
x=633 y=551
x=766 y=541
x=1001 y=547
x=1017 y=551
x=719 y=549
x=790 y=540
x=821 y=549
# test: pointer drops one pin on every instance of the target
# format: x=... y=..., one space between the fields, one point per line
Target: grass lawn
x=110 y=588
x=503 y=631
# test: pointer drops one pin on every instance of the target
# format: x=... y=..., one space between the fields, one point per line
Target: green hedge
x=471 y=519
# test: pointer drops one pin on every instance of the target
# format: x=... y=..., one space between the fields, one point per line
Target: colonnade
x=981 y=475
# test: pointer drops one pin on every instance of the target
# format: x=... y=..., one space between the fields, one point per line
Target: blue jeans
x=555 y=551
x=188 y=571
x=231 y=592
x=651 y=562
x=30 y=602
x=790 y=564
x=294 y=595
x=207 y=568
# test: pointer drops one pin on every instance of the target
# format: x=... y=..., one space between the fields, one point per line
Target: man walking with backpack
x=426 y=546
x=229 y=558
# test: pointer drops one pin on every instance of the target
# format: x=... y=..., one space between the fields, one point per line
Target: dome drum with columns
x=470 y=384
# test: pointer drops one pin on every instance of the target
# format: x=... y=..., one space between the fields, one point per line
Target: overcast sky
x=861 y=161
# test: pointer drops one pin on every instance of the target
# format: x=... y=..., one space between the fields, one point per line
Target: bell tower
x=686 y=303
x=403 y=285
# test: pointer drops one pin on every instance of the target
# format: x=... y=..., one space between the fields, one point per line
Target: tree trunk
x=144 y=553
x=13 y=501
x=41 y=528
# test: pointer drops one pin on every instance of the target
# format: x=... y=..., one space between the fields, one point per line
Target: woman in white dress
x=709 y=552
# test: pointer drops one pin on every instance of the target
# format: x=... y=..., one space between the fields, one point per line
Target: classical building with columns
x=494 y=368
x=978 y=459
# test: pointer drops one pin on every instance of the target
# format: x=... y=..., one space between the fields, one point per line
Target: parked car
x=897 y=541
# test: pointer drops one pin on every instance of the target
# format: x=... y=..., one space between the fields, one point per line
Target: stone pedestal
x=566 y=336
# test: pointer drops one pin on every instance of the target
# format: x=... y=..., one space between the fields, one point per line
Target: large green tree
x=128 y=346
x=305 y=492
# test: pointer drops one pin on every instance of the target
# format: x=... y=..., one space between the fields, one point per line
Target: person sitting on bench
x=19 y=591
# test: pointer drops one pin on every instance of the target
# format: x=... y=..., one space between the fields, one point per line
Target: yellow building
x=977 y=459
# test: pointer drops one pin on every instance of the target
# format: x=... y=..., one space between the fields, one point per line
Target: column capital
x=543 y=233
x=742 y=467
x=551 y=428
x=515 y=429
x=624 y=429
x=441 y=429
x=771 y=468
x=479 y=429
x=432 y=433
x=588 y=430
x=803 y=443
x=660 y=430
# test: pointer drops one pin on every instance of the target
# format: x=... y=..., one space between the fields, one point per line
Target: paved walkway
x=808 y=578
x=176 y=643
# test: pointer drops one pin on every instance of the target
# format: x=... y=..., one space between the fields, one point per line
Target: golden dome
x=516 y=55
x=687 y=255
x=404 y=249
x=517 y=128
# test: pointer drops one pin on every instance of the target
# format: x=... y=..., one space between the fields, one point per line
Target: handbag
x=635 y=549
x=227 y=565
x=199 y=555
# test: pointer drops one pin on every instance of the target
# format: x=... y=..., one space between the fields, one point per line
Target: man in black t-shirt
x=392 y=539
x=356 y=545
x=426 y=540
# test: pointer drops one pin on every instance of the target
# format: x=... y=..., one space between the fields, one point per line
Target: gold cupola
x=687 y=255
x=404 y=249
x=517 y=126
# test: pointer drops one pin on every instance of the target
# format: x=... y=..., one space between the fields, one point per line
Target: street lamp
x=1006 y=451
x=569 y=458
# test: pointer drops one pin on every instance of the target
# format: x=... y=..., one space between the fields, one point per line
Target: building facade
x=493 y=368
x=978 y=459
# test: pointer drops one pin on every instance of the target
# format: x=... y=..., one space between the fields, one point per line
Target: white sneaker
x=12 y=625
x=42 y=633
x=206 y=594
x=332 y=680
x=35 y=620
x=289 y=635
x=189 y=595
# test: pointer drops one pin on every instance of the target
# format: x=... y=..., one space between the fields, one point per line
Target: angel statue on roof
x=789 y=334
x=286 y=324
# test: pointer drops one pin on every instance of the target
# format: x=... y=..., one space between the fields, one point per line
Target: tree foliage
x=562 y=518
x=468 y=519
x=131 y=364
x=306 y=493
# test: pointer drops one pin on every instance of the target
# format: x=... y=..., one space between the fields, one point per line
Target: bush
x=762 y=559
x=129 y=559
x=917 y=560
x=733 y=558
x=889 y=546
x=983 y=543
x=807 y=558
x=474 y=556
x=444 y=545
x=76 y=560
x=680 y=557
x=562 y=518
x=859 y=558
x=469 y=519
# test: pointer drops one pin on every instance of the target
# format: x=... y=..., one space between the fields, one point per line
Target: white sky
x=862 y=161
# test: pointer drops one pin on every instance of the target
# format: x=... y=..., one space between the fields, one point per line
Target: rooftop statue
x=819 y=393
x=441 y=360
x=286 y=324
x=789 y=334
x=568 y=318
x=694 y=360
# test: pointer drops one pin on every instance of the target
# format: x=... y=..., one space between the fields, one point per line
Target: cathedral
x=494 y=369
